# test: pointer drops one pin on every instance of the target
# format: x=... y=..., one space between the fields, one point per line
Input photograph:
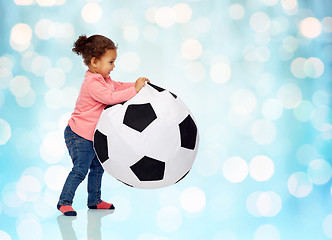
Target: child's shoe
x=103 y=205
x=67 y=210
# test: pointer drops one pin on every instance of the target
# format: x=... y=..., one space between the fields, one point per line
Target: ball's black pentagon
x=109 y=106
x=139 y=116
x=188 y=133
x=100 y=146
x=149 y=169
x=173 y=95
x=159 y=89
x=182 y=177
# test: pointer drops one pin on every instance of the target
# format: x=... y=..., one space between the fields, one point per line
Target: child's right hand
x=140 y=83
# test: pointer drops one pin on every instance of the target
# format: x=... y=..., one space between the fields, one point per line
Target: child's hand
x=140 y=82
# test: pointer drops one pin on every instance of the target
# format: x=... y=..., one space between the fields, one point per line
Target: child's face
x=105 y=64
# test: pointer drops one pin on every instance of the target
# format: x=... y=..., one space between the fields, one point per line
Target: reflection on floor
x=93 y=224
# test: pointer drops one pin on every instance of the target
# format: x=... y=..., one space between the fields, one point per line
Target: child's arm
x=140 y=82
x=118 y=86
x=100 y=92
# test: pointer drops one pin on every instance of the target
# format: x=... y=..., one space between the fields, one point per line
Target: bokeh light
x=327 y=24
x=252 y=203
x=55 y=177
x=92 y=12
x=191 y=49
x=313 y=67
x=28 y=188
x=27 y=100
x=319 y=171
x=269 y=204
x=29 y=227
x=220 y=72
x=40 y=65
x=303 y=111
x=299 y=184
x=236 y=11
x=150 y=14
x=327 y=223
x=235 y=169
x=319 y=118
x=65 y=64
x=4 y=235
x=183 y=13
x=193 y=199
x=261 y=168
x=5 y=131
x=53 y=147
x=310 y=27
x=10 y=197
x=165 y=17
x=20 y=37
x=260 y=22
x=44 y=29
x=20 y=86
x=23 y=2
x=264 y=204
x=290 y=95
x=243 y=101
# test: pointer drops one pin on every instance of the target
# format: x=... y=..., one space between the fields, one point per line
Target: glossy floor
x=93 y=219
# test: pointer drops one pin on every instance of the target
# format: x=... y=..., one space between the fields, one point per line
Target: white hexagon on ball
x=150 y=141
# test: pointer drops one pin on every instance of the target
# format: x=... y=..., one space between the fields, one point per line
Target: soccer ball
x=150 y=141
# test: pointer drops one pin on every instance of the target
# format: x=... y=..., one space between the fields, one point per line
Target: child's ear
x=94 y=61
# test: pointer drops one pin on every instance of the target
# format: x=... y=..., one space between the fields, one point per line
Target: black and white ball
x=150 y=141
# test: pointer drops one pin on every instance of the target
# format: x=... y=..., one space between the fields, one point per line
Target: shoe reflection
x=93 y=224
x=66 y=227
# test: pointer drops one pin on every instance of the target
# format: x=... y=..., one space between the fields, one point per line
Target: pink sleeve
x=122 y=86
x=100 y=92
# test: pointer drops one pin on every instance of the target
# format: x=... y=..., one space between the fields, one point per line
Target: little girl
x=97 y=91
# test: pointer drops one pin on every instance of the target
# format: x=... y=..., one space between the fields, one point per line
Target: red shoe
x=103 y=205
x=67 y=210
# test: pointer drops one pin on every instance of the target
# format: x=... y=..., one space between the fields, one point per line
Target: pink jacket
x=95 y=94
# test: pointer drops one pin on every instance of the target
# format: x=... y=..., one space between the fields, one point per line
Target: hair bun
x=80 y=45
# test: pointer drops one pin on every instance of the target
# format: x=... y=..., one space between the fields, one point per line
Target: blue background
x=255 y=73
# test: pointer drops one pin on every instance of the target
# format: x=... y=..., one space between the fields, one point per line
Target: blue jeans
x=84 y=159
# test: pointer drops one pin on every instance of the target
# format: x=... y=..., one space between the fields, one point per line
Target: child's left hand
x=140 y=82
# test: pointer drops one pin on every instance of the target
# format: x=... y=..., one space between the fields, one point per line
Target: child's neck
x=92 y=70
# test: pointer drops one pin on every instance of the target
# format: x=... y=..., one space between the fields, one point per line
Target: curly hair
x=93 y=46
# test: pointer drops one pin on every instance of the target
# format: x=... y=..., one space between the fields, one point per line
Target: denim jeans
x=84 y=159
